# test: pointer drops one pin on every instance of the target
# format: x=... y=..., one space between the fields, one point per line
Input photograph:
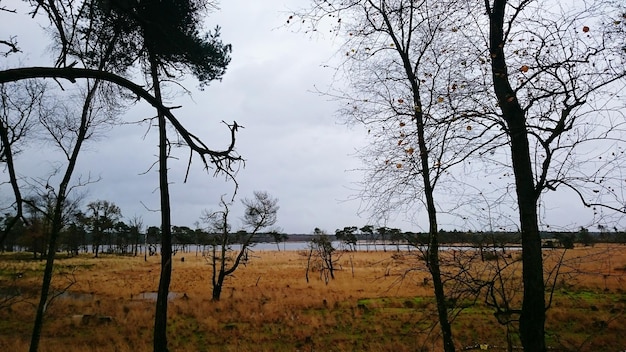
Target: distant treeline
x=102 y=230
x=549 y=238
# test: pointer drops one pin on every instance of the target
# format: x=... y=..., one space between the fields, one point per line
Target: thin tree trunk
x=160 y=319
x=308 y=264
x=433 y=253
x=45 y=286
x=331 y=268
x=57 y=222
x=217 y=288
x=218 y=281
x=433 y=250
x=532 y=319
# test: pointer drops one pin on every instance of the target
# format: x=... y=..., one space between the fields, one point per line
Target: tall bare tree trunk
x=45 y=286
x=160 y=319
x=433 y=245
x=533 y=315
x=57 y=220
x=433 y=250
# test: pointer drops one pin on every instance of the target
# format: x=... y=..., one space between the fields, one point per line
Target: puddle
x=152 y=296
x=77 y=296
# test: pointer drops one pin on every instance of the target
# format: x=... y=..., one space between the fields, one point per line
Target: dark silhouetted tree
x=552 y=77
x=348 y=236
x=102 y=216
x=169 y=40
x=278 y=237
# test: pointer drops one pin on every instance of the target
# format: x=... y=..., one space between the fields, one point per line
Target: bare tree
x=553 y=76
x=68 y=135
x=406 y=88
x=18 y=120
x=224 y=256
x=260 y=212
x=321 y=256
x=68 y=128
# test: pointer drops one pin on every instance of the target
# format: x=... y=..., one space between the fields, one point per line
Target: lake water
x=304 y=245
x=361 y=246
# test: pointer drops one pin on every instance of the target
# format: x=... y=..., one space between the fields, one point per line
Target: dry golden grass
x=268 y=305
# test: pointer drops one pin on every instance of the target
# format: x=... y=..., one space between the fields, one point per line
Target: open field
x=268 y=305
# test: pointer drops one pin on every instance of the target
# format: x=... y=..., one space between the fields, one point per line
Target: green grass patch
x=590 y=297
x=385 y=302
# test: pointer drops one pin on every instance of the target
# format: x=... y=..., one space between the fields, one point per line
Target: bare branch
x=222 y=160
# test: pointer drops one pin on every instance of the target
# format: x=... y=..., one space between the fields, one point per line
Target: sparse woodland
x=499 y=104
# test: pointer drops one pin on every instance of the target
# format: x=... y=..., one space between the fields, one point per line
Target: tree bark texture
x=533 y=314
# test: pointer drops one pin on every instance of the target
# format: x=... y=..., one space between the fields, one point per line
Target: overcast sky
x=293 y=145
x=291 y=141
